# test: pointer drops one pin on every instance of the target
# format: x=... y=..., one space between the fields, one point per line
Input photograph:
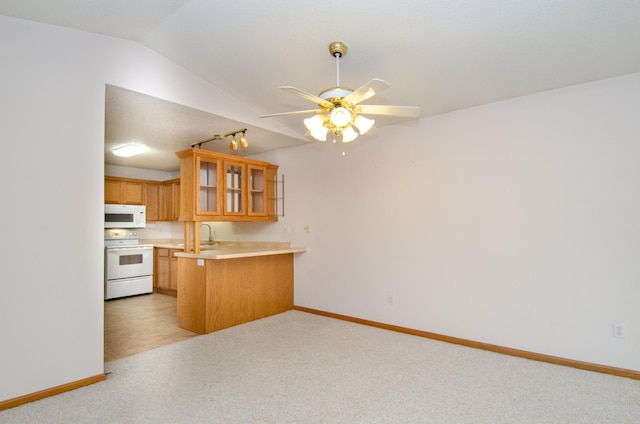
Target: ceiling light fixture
x=339 y=108
x=233 y=143
x=128 y=150
x=341 y=116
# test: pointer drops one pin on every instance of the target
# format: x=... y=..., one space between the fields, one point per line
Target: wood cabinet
x=228 y=292
x=124 y=191
x=165 y=273
x=152 y=200
x=219 y=187
x=170 y=200
x=162 y=198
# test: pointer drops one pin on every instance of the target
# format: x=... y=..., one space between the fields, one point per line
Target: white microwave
x=125 y=216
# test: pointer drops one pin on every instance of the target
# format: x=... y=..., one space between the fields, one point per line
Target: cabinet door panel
x=208 y=202
x=161 y=275
x=152 y=201
x=257 y=192
x=112 y=191
x=133 y=193
x=235 y=193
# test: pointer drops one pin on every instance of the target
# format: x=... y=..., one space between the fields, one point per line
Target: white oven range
x=128 y=265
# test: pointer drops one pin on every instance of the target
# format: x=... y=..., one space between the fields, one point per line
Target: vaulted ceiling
x=441 y=55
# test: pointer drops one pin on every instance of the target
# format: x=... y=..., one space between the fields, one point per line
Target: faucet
x=211 y=242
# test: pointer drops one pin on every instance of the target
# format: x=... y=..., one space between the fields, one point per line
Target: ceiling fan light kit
x=339 y=110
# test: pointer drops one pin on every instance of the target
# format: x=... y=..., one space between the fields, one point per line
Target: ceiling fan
x=339 y=109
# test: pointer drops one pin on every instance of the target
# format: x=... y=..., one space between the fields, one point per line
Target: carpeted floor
x=301 y=368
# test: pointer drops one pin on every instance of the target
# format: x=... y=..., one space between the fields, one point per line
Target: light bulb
x=348 y=134
x=340 y=117
x=363 y=124
x=233 y=144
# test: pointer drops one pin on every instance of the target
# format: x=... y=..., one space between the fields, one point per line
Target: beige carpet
x=301 y=368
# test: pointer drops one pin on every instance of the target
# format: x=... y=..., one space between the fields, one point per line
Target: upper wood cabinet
x=219 y=187
x=152 y=192
x=124 y=191
x=162 y=198
x=169 y=203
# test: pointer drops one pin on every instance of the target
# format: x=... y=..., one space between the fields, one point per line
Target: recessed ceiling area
x=165 y=128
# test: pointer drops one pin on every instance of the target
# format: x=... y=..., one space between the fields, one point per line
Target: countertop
x=231 y=250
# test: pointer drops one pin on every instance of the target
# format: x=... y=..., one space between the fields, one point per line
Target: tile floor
x=140 y=323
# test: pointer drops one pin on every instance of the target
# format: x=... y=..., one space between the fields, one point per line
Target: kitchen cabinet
x=124 y=191
x=228 y=292
x=234 y=193
x=161 y=198
x=165 y=275
x=220 y=187
x=170 y=200
x=152 y=200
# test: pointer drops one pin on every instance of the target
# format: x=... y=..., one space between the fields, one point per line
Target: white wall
x=515 y=223
x=52 y=82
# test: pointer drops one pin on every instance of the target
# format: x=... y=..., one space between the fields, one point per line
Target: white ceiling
x=441 y=55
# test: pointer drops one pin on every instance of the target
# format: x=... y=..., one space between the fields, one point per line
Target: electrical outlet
x=619 y=330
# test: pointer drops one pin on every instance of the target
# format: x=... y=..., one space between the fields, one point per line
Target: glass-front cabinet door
x=209 y=191
x=235 y=196
x=257 y=192
x=220 y=187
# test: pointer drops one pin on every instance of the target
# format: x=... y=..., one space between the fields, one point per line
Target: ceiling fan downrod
x=338 y=49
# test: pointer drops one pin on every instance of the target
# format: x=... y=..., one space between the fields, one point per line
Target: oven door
x=128 y=262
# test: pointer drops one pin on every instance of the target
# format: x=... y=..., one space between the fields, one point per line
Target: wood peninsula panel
x=191 y=295
x=233 y=291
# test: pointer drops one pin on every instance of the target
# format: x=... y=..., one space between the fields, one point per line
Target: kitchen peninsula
x=226 y=285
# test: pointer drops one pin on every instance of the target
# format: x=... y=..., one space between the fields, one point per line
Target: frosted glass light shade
x=243 y=142
x=320 y=134
x=130 y=149
x=363 y=124
x=340 y=117
x=316 y=127
x=314 y=123
x=348 y=134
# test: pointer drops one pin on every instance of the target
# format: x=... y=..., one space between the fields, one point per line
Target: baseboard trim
x=21 y=400
x=620 y=372
x=166 y=292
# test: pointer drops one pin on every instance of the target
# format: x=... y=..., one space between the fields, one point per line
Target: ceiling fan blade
x=406 y=111
x=312 y=97
x=295 y=112
x=366 y=91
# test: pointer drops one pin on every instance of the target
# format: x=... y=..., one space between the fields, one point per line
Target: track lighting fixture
x=233 y=143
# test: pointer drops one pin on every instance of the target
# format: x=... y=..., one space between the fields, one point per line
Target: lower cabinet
x=165 y=275
x=220 y=293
